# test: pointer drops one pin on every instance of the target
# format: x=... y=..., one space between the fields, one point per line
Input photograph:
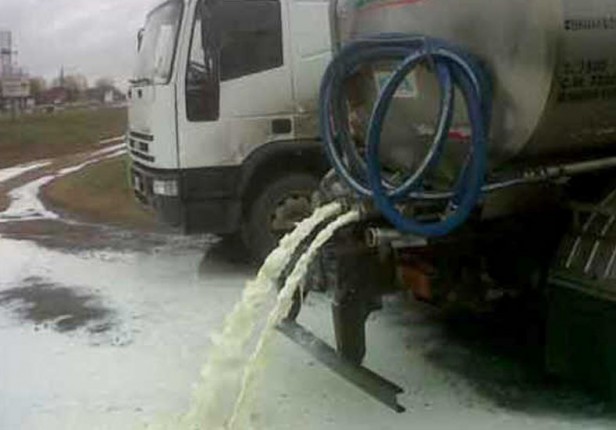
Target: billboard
x=14 y=87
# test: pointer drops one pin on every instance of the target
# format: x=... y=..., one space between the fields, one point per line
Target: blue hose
x=453 y=68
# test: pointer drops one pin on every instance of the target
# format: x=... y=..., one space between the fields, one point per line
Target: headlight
x=165 y=188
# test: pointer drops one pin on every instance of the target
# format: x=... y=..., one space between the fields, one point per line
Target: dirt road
x=104 y=328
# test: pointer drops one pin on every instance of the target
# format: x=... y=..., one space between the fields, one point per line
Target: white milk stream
x=241 y=413
x=222 y=395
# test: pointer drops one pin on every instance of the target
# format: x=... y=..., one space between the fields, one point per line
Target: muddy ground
x=107 y=328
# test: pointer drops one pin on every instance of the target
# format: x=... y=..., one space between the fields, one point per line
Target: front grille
x=139 y=144
x=141 y=156
x=141 y=136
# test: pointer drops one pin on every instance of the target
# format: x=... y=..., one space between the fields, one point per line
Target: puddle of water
x=60 y=308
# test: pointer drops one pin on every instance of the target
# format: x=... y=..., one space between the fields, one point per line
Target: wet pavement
x=61 y=308
x=104 y=328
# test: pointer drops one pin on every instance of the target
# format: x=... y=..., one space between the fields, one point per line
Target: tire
x=275 y=210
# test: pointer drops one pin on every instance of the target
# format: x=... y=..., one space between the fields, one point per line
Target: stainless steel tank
x=553 y=63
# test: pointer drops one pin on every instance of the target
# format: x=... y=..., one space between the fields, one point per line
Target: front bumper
x=207 y=200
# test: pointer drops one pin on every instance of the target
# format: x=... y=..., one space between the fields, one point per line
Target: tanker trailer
x=478 y=140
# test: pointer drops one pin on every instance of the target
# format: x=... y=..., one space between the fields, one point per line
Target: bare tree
x=37 y=86
x=75 y=85
x=105 y=83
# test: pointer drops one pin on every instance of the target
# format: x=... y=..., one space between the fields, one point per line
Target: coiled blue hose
x=453 y=68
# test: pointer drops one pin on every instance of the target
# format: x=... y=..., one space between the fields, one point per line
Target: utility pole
x=6 y=67
x=6 y=53
x=13 y=81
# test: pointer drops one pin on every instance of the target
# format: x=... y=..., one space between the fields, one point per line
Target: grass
x=100 y=193
x=46 y=135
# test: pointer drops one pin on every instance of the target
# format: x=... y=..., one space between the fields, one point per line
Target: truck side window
x=251 y=37
x=202 y=83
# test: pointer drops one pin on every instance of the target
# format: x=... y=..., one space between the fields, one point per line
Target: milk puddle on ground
x=222 y=398
x=13 y=172
x=25 y=202
x=243 y=406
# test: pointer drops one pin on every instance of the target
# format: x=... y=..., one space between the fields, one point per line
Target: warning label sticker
x=586 y=79
x=407 y=89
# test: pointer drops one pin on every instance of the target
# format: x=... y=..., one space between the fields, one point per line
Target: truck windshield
x=157 y=47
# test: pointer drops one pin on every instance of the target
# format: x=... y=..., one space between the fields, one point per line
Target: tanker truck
x=222 y=115
x=478 y=141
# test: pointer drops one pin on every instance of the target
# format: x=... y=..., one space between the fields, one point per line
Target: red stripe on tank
x=459 y=135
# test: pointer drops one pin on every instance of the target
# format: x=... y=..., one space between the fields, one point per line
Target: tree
x=37 y=86
x=77 y=83
x=104 y=83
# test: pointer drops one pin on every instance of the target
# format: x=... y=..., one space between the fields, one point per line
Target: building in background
x=19 y=92
x=105 y=96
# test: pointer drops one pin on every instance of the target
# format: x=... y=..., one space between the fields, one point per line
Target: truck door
x=152 y=96
x=236 y=80
x=309 y=27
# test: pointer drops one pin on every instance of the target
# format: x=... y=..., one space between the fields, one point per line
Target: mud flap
x=350 y=314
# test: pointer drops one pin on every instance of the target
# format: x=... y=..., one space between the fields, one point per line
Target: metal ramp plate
x=373 y=384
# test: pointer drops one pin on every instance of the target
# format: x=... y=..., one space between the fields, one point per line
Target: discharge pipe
x=376 y=237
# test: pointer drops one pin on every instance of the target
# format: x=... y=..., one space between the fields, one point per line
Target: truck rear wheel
x=275 y=211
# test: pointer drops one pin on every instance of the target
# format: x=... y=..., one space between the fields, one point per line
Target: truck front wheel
x=275 y=211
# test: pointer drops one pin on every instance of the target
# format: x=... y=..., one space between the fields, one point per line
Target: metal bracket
x=373 y=384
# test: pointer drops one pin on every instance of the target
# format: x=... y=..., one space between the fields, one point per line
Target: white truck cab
x=223 y=131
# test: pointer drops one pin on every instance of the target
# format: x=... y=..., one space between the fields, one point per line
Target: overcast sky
x=92 y=37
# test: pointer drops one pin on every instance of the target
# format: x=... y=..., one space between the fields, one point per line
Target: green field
x=47 y=135
x=100 y=193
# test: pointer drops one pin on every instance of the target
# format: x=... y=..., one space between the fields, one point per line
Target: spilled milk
x=222 y=399
x=240 y=418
